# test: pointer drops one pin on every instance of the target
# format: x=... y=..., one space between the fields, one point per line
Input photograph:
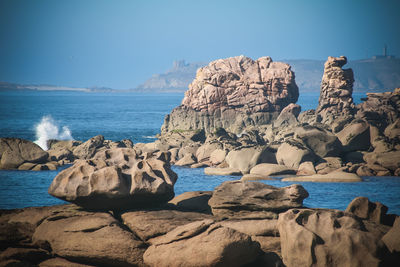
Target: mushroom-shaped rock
x=119 y=182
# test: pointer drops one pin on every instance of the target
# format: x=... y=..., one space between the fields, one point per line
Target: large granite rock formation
x=336 y=89
x=234 y=93
x=116 y=179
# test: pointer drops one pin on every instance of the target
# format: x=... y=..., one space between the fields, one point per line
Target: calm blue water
x=139 y=117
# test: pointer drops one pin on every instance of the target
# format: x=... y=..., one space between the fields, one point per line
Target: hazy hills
x=176 y=79
x=381 y=74
x=371 y=75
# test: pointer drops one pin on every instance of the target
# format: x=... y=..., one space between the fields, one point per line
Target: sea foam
x=48 y=129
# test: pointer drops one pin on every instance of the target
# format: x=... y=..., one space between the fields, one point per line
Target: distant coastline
x=376 y=74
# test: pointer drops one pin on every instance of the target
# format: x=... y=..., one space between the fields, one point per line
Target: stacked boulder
x=336 y=90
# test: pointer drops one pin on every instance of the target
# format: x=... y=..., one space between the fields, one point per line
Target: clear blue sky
x=119 y=44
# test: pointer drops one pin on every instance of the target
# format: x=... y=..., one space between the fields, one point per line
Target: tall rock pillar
x=336 y=90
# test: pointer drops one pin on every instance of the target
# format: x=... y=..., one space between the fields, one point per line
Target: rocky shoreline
x=238 y=224
x=238 y=117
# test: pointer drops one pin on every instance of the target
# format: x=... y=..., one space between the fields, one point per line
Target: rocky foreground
x=238 y=224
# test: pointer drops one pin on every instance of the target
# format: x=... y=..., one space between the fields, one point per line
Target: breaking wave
x=48 y=129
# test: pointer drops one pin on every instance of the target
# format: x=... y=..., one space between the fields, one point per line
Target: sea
x=41 y=115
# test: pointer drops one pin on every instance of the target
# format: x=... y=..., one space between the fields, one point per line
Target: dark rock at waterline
x=15 y=152
x=116 y=179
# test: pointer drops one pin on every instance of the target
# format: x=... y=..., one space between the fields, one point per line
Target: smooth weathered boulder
x=326 y=238
x=292 y=153
x=320 y=141
x=333 y=177
x=203 y=153
x=288 y=115
x=246 y=158
x=193 y=201
x=355 y=136
x=336 y=90
x=187 y=160
x=234 y=93
x=222 y=171
x=148 y=224
x=202 y=244
x=94 y=238
x=116 y=179
x=218 y=156
x=268 y=169
x=232 y=198
x=306 y=168
x=15 y=151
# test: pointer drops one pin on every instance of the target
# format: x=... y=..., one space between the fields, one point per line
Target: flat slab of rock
x=269 y=169
x=193 y=201
x=232 y=198
x=150 y=224
x=202 y=243
x=253 y=227
x=222 y=171
x=333 y=177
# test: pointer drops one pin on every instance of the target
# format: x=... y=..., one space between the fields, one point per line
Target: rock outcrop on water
x=234 y=93
x=336 y=89
x=325 y=144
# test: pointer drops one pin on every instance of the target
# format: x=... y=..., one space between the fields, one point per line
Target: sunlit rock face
x=234 y=93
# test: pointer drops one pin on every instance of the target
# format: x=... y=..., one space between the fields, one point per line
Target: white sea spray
x=48 y=129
